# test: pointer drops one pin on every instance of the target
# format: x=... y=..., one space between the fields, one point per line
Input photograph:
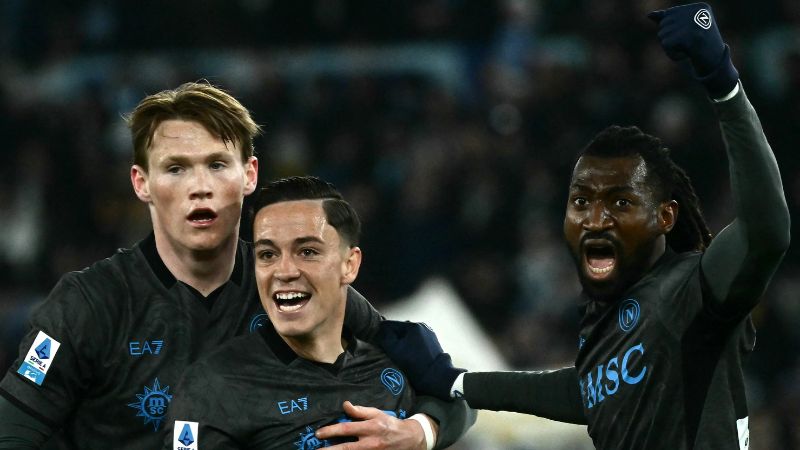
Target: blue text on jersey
x=593 y=386
x=290 y=406
x=139 y=348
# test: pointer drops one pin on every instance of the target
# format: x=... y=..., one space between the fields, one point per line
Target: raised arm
x=742 y=258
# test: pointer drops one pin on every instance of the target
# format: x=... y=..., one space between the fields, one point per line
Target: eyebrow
x=612 y=190
x=183 y=158
x=298 y=241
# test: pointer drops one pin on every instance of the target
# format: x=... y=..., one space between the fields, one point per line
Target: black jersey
x=256 y=393
x=659 y=369
x=110 y=343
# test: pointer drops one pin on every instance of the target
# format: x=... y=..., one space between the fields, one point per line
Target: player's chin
x=599 y=287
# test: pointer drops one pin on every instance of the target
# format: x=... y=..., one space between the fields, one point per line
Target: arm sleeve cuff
x=426 y=428
x=730 y=95
x=457 y=391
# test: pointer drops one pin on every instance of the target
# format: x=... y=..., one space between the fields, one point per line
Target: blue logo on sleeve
x=186 y=435
x=628 y=314
x=152 y=404
x=43 y=350
x=393 y=380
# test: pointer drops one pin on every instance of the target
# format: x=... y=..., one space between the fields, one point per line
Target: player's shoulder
x=678 y=265
x=116 y=272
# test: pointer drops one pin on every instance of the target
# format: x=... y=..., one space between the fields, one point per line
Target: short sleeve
x=54 y=367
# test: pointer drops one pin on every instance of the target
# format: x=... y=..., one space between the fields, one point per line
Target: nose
x=201 y=187
x=598 y=218
x=286 y=269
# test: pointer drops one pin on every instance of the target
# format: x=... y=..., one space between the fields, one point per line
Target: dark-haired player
x=99 y=366
x=666 y=320
x=276 y=387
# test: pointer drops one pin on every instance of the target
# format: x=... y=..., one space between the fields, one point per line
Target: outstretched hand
x=375 y=430
x=691 y=32
x=416 y=349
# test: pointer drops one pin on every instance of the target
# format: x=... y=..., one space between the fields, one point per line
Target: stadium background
x=450 y=124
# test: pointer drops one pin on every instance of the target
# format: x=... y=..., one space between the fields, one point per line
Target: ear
x=250 y=175
x=350 y=265
x=668 y=215
x=140 y=183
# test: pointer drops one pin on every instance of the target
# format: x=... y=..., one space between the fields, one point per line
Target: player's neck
x=203 y=270
x=324 y=347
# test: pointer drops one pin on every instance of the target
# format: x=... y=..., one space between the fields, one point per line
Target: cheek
x=163 y=192
x=572 y=229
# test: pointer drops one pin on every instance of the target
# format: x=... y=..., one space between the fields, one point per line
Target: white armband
x=427 y=429
x=457 y=391
x=730 y=95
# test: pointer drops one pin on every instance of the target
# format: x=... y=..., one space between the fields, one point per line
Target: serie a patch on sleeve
x=184 y=435
x=39 y=358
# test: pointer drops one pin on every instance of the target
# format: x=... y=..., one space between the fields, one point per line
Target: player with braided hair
x=666 y=309
x=667 y=179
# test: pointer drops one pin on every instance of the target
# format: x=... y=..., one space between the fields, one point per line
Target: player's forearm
x=742 y=258
x=550 y=394
x=19 y=430
x=454 y=418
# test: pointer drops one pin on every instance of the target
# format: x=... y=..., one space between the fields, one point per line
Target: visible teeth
x=289 y=308
x=289 y=295
x=603 y=270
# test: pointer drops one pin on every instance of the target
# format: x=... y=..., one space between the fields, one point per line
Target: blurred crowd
x=452 y=125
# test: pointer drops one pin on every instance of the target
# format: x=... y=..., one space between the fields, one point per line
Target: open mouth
x=600 y=258
x=290 y=301
x=202 y=216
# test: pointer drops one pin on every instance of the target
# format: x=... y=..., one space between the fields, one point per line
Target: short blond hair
x=219 y=112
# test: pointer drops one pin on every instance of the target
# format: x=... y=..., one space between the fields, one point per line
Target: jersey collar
x=148 y=248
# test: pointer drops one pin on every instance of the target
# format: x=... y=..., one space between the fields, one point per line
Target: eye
x=579 y=201
x=265 y=255
x=308 y=252
x=622 y=203
x=217 y=165
x=174 y=169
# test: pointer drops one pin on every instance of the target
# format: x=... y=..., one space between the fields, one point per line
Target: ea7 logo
x=139 y=348
x=703 y=18
x=290 y=406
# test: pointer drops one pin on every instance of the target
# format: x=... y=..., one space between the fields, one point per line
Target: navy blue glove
x=415 y=348
x=690 y=31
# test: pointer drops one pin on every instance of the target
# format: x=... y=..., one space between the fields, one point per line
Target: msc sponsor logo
x=393 y=380
x=152 y=404
x=628 y=314
x=184 y=435
x=606 y=379
x=39 y=358
x=290 y=406
x=703 y=19
x=258 y=321
x=308 y=441
x=139 y=348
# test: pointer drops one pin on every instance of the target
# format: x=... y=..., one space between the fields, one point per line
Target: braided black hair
x=669 y=181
